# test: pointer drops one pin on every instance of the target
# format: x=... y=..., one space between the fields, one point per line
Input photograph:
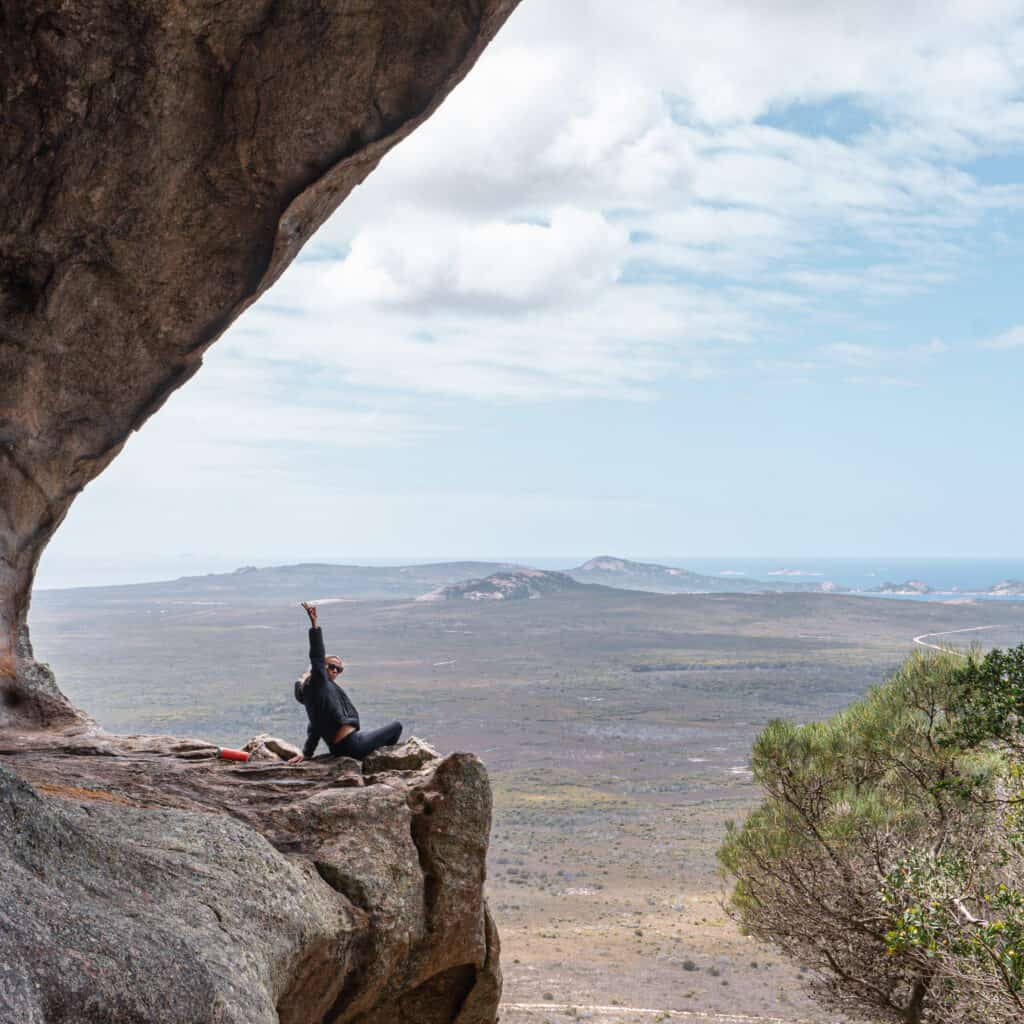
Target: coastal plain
x=615 y=724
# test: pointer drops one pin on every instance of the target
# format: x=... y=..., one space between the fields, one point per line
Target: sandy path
x=598 y=1014
x=921 y=640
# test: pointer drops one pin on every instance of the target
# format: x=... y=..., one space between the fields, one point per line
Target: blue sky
x=704 y=278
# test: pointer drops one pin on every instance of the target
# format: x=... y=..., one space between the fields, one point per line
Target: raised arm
x=315 y=677
x=317 y=651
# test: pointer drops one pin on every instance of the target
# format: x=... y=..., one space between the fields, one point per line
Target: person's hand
x=311 y=612
x=297 y=759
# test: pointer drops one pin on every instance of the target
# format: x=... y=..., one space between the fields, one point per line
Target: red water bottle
x=229 y=754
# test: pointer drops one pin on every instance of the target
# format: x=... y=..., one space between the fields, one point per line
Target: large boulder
x=162 y=164
x=138 y=886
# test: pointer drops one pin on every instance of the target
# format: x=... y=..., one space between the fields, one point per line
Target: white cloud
x=731 y=62
x=431 y=261
x=1013 y=338
x=616 y=343
x=598 y=209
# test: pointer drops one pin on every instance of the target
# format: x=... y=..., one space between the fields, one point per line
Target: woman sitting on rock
x=332 y=716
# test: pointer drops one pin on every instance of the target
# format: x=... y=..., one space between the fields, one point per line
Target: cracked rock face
x=163 y=163
x=142 y=880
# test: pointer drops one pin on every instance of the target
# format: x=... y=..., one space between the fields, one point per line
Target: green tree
x=886 y=855
x=989 y=701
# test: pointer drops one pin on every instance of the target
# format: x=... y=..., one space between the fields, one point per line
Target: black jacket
x=326 y=703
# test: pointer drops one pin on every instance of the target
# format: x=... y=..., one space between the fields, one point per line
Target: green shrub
x=886 y=854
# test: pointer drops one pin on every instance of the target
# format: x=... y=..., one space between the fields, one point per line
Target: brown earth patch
x=81 y=793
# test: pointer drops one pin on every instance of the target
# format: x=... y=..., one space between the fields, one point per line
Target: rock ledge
x=141 y=880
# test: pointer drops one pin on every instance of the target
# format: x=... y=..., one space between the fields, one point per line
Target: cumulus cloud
x=732 y=62
x=610 y=202
x=620 y=204
x=431 y=261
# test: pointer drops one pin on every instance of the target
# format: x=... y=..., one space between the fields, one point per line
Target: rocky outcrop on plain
x=143 y=880
x=524 y=584
x=162 y=164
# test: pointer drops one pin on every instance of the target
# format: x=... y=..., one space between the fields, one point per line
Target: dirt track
x=511 y=1013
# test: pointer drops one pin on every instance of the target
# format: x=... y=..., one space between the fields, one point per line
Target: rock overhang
x=163 y=164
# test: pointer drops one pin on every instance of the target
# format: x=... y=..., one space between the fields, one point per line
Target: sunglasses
x=333 y=668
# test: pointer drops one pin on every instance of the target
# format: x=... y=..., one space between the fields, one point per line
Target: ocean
x=941 y=574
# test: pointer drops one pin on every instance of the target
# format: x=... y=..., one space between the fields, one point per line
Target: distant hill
x=311 y=581
x=666 y=579
x=522 y=584
x=325 y=581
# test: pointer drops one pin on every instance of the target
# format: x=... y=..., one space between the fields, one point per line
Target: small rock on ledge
x=409 y=756
x=269 y=748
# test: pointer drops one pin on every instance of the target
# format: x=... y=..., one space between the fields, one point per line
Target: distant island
x=1007 y=588
x=907 y=587
x=918 y=588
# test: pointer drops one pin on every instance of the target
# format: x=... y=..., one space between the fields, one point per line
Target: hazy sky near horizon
x=700 y=277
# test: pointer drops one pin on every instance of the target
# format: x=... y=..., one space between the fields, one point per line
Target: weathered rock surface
x=162 y=165
x=142 y=880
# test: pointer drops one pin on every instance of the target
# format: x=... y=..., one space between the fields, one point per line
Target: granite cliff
x=163 y=164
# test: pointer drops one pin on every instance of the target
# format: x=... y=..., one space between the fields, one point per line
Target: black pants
x=365 y=741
